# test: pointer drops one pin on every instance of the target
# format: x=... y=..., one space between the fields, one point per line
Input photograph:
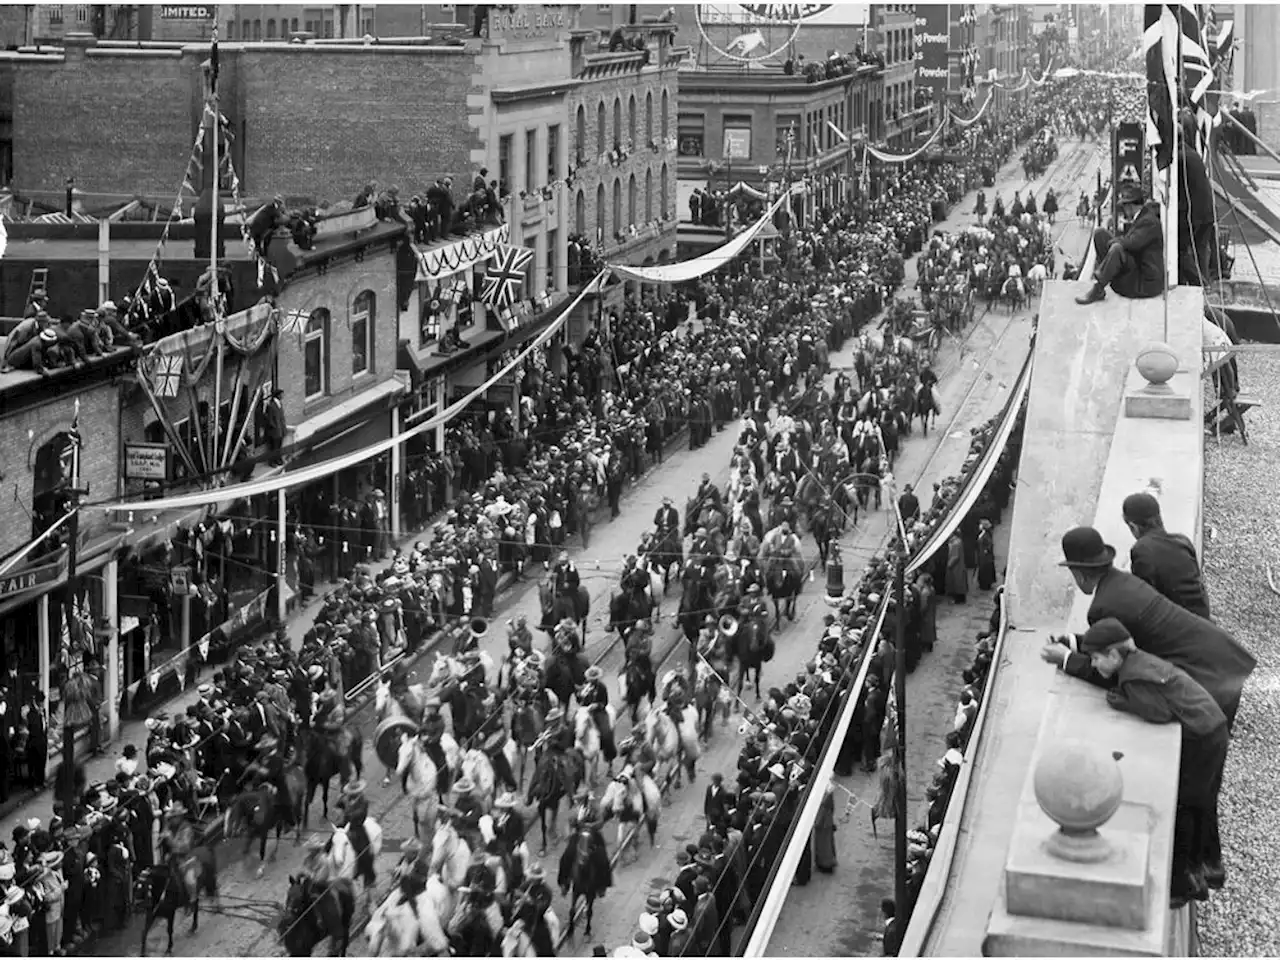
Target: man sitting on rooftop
x=1133 y=263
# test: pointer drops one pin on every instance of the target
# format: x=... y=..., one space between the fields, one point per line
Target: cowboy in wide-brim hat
x=1084 y=548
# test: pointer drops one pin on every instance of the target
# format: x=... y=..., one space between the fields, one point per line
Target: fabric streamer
x=903 y=158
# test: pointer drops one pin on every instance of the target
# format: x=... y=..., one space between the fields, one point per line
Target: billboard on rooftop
x=809 y=14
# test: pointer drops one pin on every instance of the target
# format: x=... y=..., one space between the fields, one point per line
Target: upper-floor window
x=617 y=205
x=245 y=30
x=633 y=201
x=662 y=192
x=648 y=117
x=631 y=121
x=530 y=160
x=55 y=14
x=648 y=195
x=693 y=132
x=505 y=146
x=617 y=122
x=600 y=212
x=316 y=354
x=363 y=319
x=580 y=136
x=600 y=129
x=293 y=25
x=553 y=153
x=231 y=29
x=257 y=29
x=271 y=29
x=580 y=214
x=666 y=109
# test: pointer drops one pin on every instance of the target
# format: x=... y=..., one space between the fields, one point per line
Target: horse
x=672 y=733
x=1014 y=293
x=926 y=405
x=632 y=797
x=630 y=604
x=636 y=682
x=169 y=891
x=350 y=862
x=666 y=552
x=707 y=688
x=403 y=925
x=450 y=855
x=783 y=584
x=324 y=757
x=593 y=739
x=696 y=601
x=528 y=720
x=257 y=811
x=585 y=870
x=314 y=912
x=826 y=520
x=555 y=776
x=753 y=647
x=558 y=606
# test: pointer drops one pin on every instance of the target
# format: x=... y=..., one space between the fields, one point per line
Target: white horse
x=587 y=739
x=400 y=928
x=418 y=775
x=631 y=798
x=450 y=855
x=478 y=768
x=342 y=853
x=656 y=588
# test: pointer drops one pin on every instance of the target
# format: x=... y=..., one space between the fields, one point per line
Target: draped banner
x=975 y=118
x=903 y=158
x=709 y=261
x=435 y=263
x=288 y=481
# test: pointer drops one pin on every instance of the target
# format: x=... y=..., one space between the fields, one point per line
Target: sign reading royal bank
x=527 y=23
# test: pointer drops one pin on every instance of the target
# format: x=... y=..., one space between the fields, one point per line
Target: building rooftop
x=1241 y=556
x=71 y=248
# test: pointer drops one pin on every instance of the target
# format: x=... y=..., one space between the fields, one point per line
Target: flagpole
x=216 y=198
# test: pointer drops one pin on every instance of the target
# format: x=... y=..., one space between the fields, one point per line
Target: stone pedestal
x=1164 y=401
x=1110 y=892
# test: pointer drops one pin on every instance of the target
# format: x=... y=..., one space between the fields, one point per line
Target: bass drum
x=387 y=739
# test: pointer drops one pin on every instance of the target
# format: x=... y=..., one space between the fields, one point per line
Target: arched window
x=52 y=477
x=271 y=29
x=633 y=201
x=648 y=117
x=617 y=205
x=662 y=192
x=617 y=122
x=666 y=109
x=257 y=29
x=600 y=129
x=580 y=214
x=364 y=315
x=580 y=143
x=601 y=202
x=244 y=30
x=315 y=349
x=631 y=121
x=648 y=195
x=231 y=29
x=293 y=26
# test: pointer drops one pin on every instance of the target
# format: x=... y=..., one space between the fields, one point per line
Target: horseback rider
x=519 y=637
x=753 y=606
x=508 y=828
x=667 y=517
x=593 y=695
x=467 y=811
x=178 y=840
x=318 y=864
x=431 y=739
x=707 y=637
x=585 y=810
x=268 y=769
x=558 y=735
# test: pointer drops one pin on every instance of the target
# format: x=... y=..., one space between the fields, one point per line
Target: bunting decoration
x=153 y=680
x=1160 y=35
x=166 y=377
x=462 y=254
x=203 y=647
x=505 y=275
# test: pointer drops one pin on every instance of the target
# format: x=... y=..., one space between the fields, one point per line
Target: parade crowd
x=511 y=490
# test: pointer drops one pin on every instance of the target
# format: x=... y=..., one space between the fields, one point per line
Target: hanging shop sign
x=34 y=578
x=146 y=461
x=180 y=581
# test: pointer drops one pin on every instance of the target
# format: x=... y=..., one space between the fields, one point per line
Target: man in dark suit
x=1159 y=626
x=714 y=802
x=1195 y=208
x=667 y=517
x=1165 y=560
x=1132 y=264
x=908 y=505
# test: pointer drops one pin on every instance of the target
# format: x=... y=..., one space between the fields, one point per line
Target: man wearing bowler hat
x=1159 y=626
x=1165 y=560
x=1131 y=264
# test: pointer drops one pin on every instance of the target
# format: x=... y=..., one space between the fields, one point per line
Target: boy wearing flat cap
x=1155 y=690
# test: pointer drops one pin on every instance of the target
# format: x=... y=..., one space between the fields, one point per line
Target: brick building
x=769 y=127
x=893 y=34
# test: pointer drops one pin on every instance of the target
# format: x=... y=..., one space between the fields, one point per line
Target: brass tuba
x=479 y=627
x=729 y=625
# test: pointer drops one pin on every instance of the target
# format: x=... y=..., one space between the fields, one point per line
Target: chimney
x=75 y=44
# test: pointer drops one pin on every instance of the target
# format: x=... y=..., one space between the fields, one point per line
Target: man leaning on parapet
x=1131 y=264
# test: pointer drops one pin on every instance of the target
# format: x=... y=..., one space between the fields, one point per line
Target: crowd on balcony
x=836 y=65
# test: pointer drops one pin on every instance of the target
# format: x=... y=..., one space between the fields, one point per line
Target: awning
x=363 y=433
x=347 y=409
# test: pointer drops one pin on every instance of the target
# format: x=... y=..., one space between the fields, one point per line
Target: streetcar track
x=376 y=895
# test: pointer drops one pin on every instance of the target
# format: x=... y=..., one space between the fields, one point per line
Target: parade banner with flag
x=505 y=275
x=1160 y=32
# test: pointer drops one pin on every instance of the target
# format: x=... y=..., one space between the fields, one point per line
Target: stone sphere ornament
x=1079 y=787
x=1157 y=363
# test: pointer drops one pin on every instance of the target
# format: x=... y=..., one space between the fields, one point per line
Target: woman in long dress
x=957 y=575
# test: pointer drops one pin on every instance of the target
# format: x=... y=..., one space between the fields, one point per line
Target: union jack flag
x=167 y=376
x=505 y=275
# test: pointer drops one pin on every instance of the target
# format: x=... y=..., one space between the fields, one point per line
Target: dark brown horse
x=752 y=648
x=314 y=912
x=585 y=869
x=258 y=811
x=555 y=776
x=323 y=757
x=169 y=890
